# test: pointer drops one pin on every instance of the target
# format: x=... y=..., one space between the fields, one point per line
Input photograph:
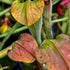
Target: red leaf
x=62 y=43
x=24 y=49
x=63 y=5
x=49 y=56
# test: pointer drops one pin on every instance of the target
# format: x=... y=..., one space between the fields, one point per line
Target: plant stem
x=65 y=23
x=6 y=67
x=68 y=30
x=54 y=14
x=9 y=34
x=25 y=27
x=38 y=29
x=59 y=20
x=16 y=31
x=6 y=10
x=7 y=1
x=47 y=20
x=55 y=1
x=3 y=53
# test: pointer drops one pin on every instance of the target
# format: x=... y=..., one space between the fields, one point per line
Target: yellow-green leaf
x=27 y=13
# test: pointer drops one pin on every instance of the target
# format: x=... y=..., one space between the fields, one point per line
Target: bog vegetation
x=47 y=44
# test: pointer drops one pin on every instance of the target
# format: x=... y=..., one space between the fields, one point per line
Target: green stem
x=2 y=68
x=16 y=31
x=54 y=14
x=38 y=29
x=55 y=1
x=65 y=23
x=9 y=34
x=7 y=1
x=59 y=20
x=35 y=30
x=3 y=53
x=68 y=30
x=5 y=11
x=25 y=27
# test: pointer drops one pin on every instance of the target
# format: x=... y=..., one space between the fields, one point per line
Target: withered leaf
x=49 y=56
x=62 y=43
x=27 y=13
x=24 y=49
